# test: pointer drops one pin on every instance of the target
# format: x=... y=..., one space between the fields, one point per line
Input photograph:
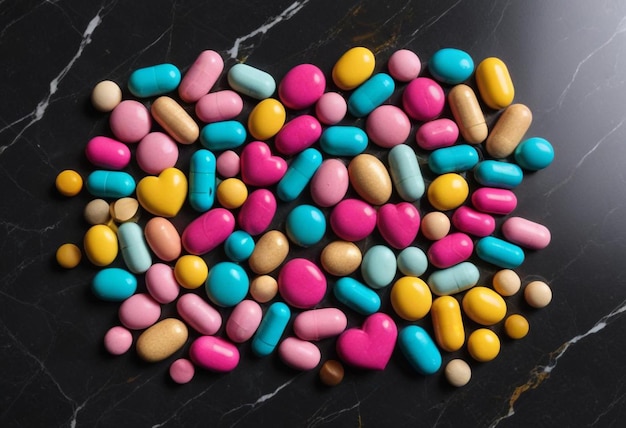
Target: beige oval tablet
x=125 y=209
x=162 y=340
x=370 y=178
x=175 y=120
x=269 y=252
x=509 y=130
x=341 y=258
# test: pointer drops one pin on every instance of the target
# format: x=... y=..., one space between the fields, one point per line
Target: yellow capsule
x=191 y=271
x=69 y=183
x=100 y=245
x=509 y=130
x=483 y=345
x=448 y=191
x=484 y=306
x=494 y=83
x=68 y=256
x=232 y=193
x=516 y=326
x=448 y=323
x=411 y=298
x=467 y=114
x=354 y=67
x=162 y=340
x=266 y=119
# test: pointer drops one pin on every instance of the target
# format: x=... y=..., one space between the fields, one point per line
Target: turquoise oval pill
x=499 y=252
x=306 y=225
x=419 y=349
x=534 y=154
x=239 y=246
x=110 y=184
x=378 y=266
x=454 y=279
x=202 y=180
x=134 y=248
x=298 y=175
x=114 y=284
x=154 y=80
x=405 y=173
x=343 y=140
x=356 y=295
x=251 y=81
x=271 y=329
x=228 y=134
x=412 y=261
x=227 y=284
x=492 y=173
x=453 y=159
x=452 y=66
x=371 y=94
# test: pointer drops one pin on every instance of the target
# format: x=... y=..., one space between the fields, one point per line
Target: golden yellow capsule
x=484 y=306
x=162 y=340
x=354 y=67
x=175 y=120
x=467 y=114
x=494 y=83
x=448 y=323
x=100 y=245
x=411 y=298
x=483 y=345
x=509 y=130
x=266 y=119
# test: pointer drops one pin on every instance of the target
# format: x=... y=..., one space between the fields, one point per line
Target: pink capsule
x=130 y=121
x=298 y=134
x=219 y=106
x=139 y=311
x=161 y=283
x=475 y=223
x=107 y=153
x=208 y=231
x=388 y=126
x=244 y=320
x=318 y=324
x=201 y=76
x=257 y=212
x=155 y=152
x=198 y=314
x=214 y=353
x=299 y=354
x=330 y=183
x=302 y=86
x=437 y=133
x=331 y=108
x=423 y=99
x=450 y=250
x=301 y=283
x=526 y=233
x=353 y=219
x=494 y=201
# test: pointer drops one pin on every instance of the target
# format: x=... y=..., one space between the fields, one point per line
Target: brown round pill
x=435 y=225
x=341 y=258
x=125 y=209
x=263 y=288
x=97 y=212
x=331 y=373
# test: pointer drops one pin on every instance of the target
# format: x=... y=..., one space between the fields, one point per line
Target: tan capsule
x=370 y=178
x=341 y=258
x=125 y=209
x=162 y=340
x=509 y=130
x=175 y=120
x=467 y=114
x=269 y=252
x=448 y=323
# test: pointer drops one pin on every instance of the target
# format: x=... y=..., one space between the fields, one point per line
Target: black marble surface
x=567 y=59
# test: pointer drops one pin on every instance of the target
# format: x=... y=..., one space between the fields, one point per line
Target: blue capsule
x=499 y=252
x=452 y=66
x=419 y=349
x=228 y=134
x=405 y=173
x=454 y=279
x=251 y=81
x=534 y=154
x=134 y=247
x=371 y=94
x=458 y=158
x=114 y=284
x=271 y=329
x=343 y=140
x=504 y=175
x=154 y=80
x=239 y=246
x=306 y=225
x=357 y=296
x=110 y=184
x=202 y=180
x=227 y=284
x=298 y=174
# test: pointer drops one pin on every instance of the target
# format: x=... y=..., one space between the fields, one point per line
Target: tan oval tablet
x=341 y=258
x=370 y=178
x=509 y=130
x=162 y=340
x=97 y=212
x=163 y=238
x=467 y=114
x=269 y=252
x=125 y=209
x=175 y=120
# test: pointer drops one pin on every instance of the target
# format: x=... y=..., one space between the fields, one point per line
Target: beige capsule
x=509 y=130
x=162 y=340
x=269 y=252
x=467 y=113
x=341 y=258
x=369 y=177
x=175 y=120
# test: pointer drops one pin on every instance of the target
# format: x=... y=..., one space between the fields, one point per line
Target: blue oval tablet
x=239 y=246
x=227 y=284
x=419 y=349
x=534 y=154
x=306 y=225
x=378 y=266
x=114 y=284
x=412 y=261
x=356 y=295
x=493 y=173
x=371 y=94
x=452 y=66
x=154 y=80
x=228 y=134
x=499 y=252
x=343 y=140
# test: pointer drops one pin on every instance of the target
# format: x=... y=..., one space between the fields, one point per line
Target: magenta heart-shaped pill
x=398 y=224
x=371 y=346
x=214 y=353
x=259 y=167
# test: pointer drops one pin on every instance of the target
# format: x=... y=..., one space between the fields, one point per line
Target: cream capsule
x=467 y=114
x=175 y=120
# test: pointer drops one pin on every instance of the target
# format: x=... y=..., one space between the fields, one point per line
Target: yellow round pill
x=232 y=193
x=69 y=183
x=354 y=67
x=484 y=306
x=506 y=282
x=266 y=119
x=263 y=288
x=411 y=298
x=68 y=256
x=191 y=271
x=516 y=326
x=483 y=345
x=448 y=191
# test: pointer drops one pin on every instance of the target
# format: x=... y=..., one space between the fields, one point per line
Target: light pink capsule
x=526 y=233
x=301 y=283
x=227 y=164
x=214 y=353
x=161 y=283
x=298 y=134
x=330 y=183
x=299 y=354
x=450 y=250
x=182 y=371
x=244 y=321
x=219 y=106
x=353 y=219
x=388 y=126
x=302 y=86
x=198 y=314
x=423 y=99
x=318 y=324
x=404 y=65
x=118 y=340
x=437 y=133
x=257 y=212
x=494 y=201
x=331 y=108
x=208 y=231
x=156 y=152
x=107 y=153
x=139 y=311
x=475 y=223
x=130 y=121
x=201 y=76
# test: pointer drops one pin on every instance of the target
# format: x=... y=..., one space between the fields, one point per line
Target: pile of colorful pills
x=301 y=148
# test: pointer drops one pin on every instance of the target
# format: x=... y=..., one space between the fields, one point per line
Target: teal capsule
x=405 y=173
x=372 y=93
x=378 y=266
x=271 y=329
x=492 y=173
x=228 y=134
x=343 y=140
x=356 y=295
x=458 y=158
x=306 y=225
x=134 y=248
x=114 y=284
x=154 y=80
x=110 y=184
x=239 y=246
x=419 y=349
x=412 y=261
x=298 y=174
x=202 y=180
x=534 y=154
x=251 y=81
x=499 y=252
x=227 y=284
x=454 y=279
x=452 y=66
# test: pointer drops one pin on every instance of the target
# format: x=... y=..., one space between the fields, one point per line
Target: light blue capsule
x=454 y=279
x=378 y=266
x=227 y=284
x=239 y=246
x=154 y=80
x=110 y=184
x=271 y=329
x=134 y=248
x=114 y=284
x=452 y=66
x=499 y=252
x=228 y=134
x=371 y=94
x=298 y=175
x=534 y=154
x=419 y=349
x=306 y=225
x=251 y=81
x=356 y=295
x=458 y=158
x=405 y=173
x=493 y=173
x=202 y=180
x=343 y=140
x=412 y=261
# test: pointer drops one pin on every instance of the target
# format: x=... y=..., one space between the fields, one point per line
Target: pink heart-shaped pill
x=398 y=224
x=259 y=167
x=214 y=353
x=371 y=346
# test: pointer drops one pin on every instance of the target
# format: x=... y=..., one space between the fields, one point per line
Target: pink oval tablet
x=182 y=371
x=353 y=219
x=208 y=231
x=298 y=134
x=526 y=233
x=198 y=314
x=118 y=340
x=156 y=152
x=398 y=224
x=404 y=65
x=301 y=283
x=331 y=108
x=423 y=99
x=259 y=167
x=299 y=354
x=130 y=121
x=244 y=321
x=388 y=126
x=302 y=86
x=201 y=76
x=257 y=212
x=494 y=201
x=163 y=238
x=161 y=283
x=219 y=106
x=437 y=133
x=227 y=164
x=107 y=153
x=318 y=324
x=475 y=223
x=450 y=250
x=330 y=183
x=139 y=311
x=214 y=353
